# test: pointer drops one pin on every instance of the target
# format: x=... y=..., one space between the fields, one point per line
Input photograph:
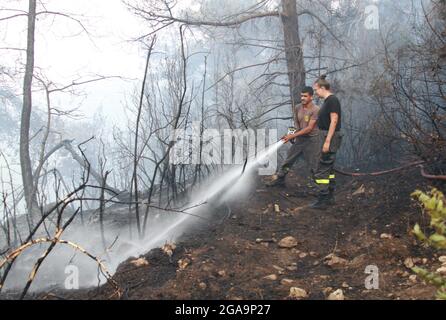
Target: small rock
x=335 y=261
x=140 y=262
x=337 y=295
x=408 y=262
x=183 y=263
x=442 y=270
x=442 y=259
x=327 y=290
x=374 y=232
x=291 y=268
x=276 y=208
x=230 y=297
x=358 y=261
x=271 y=277
x=405 y=274
x=413 y=278
x=286 y=282
x=297 y=293
x=313 y=254
x=288 y=242
x=169 y=248
x=345 y=285
x=424 y=261
x=206 y=268
x=303 y=255
x=385 y=236
x=222 y=273
x=278 y=268
x=360 y=190
x=202 y=285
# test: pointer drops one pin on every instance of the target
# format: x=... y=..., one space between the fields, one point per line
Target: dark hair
x=308 y=90
x=322 y=82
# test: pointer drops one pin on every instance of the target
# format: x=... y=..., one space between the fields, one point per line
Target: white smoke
x=167 y=227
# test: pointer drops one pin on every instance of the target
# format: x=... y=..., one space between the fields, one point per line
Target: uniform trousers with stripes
x=324 y=175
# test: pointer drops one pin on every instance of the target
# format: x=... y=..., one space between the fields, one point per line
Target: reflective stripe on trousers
x=324 y=176
x=326 y=181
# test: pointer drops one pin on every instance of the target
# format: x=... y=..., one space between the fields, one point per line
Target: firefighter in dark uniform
x=329 y=124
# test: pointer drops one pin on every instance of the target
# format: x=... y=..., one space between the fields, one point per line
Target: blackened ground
x=369 y=225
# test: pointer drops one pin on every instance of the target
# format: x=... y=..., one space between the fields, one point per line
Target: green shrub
x=433 y=204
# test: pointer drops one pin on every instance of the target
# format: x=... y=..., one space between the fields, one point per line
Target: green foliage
x=433 y=204
x=433 y=278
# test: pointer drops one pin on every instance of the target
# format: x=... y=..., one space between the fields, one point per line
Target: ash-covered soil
x=239 y=254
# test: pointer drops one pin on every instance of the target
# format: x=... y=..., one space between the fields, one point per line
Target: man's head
x=322 y=87
x=306 y=95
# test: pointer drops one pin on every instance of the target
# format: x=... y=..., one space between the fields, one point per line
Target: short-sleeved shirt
x=303 y=116
x=331 y=105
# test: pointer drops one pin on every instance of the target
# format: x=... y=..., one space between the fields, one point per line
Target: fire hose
x=379 y=173
x=292 y=130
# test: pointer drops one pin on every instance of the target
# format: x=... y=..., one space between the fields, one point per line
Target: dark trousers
x=308 y=147
x=324 y=175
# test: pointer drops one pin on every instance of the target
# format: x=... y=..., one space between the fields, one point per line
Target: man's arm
x=334 y=118
x=302 y=132
x=306 y=130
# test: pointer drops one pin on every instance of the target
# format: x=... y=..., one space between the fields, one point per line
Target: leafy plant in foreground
x=433 y=204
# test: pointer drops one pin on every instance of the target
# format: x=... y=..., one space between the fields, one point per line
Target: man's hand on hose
x=287 y=138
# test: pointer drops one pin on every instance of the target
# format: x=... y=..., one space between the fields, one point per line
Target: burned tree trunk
x=293 y=50
x=25 y=159
x=289 y=15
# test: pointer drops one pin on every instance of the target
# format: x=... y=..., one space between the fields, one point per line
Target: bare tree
x=160 y=15
x=25 y=159
x=410 y=90
x=136 y=153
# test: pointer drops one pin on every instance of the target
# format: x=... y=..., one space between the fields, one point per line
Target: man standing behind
x=329 y=124
x=306 y=137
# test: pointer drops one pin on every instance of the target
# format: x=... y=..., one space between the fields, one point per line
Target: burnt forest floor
x=240 y=258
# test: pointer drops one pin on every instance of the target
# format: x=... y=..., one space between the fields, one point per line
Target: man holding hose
x=305 y=139
x=328 y=141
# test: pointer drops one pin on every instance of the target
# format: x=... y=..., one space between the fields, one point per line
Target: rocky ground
x=273 y=246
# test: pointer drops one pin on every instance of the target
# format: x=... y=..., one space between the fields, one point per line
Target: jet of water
x=219 y=188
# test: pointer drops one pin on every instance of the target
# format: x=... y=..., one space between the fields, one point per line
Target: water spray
x=219 y=188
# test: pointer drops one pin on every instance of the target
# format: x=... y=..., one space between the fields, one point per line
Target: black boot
x=277 y=181
x=331 y=198
x=322 y=202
